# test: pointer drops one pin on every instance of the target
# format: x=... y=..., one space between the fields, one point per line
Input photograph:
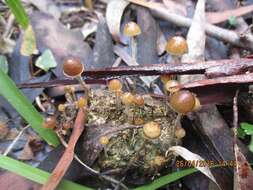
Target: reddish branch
x=211 y=69
x=68 y=155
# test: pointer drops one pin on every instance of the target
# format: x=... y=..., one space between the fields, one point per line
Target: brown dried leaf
x=51 y=34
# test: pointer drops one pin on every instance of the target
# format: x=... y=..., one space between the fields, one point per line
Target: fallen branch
x=211 y=69
x=68 y=155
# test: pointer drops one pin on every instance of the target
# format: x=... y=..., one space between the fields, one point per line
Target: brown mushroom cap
x=132 y=29
x=152 y=130
x=114 y=85
x=182 y=101
x=49 y=122
x=127 y=98
x=72 y=67
x=177 y=46
x=180 y=133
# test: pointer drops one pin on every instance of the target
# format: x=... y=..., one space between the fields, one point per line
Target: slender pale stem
x=83 y=84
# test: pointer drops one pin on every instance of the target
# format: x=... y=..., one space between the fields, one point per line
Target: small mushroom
x=180 y=132
x=115 y=86
x=49 y=122
x=177 y=46
x=152 y=130
x=73 y=68
x=132 y=30
x=128 y=100
x=182 y=101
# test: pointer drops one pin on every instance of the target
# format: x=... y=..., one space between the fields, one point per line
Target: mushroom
x=177 y=46
x=180 y=132
x=152 y=130
x=49 y=122
x=73 y=68
x=182 y=101
x=132 y=30
x=128 y=100
x=115 y=86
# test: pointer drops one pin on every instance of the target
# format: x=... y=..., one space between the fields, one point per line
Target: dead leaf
x=243 y=174
x=51 y=34
x=218 y=17
x=28 y=46
x=187 y=155
x=4 y=130
x=32 y=146
x=114 y=13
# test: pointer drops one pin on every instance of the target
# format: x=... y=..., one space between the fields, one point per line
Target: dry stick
x=68 y=155
x=235 y=115
x=15 y=141
x=212 y=30
x=211 y=68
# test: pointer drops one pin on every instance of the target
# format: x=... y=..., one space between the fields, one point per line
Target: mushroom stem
x=84 y=86
x=178 y=120
x=133 y=50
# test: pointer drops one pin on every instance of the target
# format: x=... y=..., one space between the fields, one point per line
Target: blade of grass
x=25 y=108
x=35 y=174
x=164 y=180
x=19 y=12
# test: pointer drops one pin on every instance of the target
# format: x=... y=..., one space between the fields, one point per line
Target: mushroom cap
x=132 y=29
x=152 y=130
x=180 y=133
x=114 y=85
x=72 y=67
x=177 y=46
x=49 y=122
x=172 y=86
x=182 y=101
x=104 y=140
x=127 y=98
x=197 y=105
x=139 y=100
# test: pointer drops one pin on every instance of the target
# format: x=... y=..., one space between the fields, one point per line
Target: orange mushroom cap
x=177 y=46
x=132 y=29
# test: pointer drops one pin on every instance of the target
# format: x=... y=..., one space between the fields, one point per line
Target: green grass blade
x=25 y=108
x=19 y=12
x=164 y=180
x=35 y=174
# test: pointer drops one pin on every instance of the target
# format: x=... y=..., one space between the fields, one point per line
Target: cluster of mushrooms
x=181 y=101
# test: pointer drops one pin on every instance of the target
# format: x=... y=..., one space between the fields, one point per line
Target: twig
x=235 y=116
x=14 y=141
x=210 y=68
x=68 y=155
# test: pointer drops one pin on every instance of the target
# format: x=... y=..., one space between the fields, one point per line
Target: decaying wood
x=68 y=155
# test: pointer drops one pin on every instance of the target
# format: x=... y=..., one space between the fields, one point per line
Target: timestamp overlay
x=204 y=163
